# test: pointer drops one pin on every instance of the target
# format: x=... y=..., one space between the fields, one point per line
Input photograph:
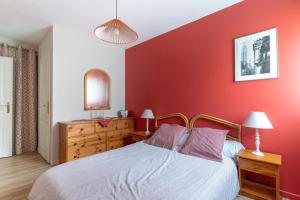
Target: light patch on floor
x=18 y=173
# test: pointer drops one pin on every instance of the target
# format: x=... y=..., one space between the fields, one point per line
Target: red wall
x=191 y=70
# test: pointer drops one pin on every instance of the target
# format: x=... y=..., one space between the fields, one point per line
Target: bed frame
x=170 y=116
x=236 y=127
x=191 y=124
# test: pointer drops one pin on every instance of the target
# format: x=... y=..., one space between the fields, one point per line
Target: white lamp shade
x=258 y=120
x=147 y=114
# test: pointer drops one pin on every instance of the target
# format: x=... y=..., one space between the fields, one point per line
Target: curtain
x=25 y=97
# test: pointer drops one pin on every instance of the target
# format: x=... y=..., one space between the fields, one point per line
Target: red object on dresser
x=191 y=70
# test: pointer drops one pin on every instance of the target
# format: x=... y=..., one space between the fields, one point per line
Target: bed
x=142 y=172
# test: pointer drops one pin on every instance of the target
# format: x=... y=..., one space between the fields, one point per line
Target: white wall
x=73 y=55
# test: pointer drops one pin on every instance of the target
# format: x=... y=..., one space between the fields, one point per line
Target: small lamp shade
x=147 y=114
x=258 y=120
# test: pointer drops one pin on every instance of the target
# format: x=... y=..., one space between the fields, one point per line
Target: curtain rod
x=16 y=47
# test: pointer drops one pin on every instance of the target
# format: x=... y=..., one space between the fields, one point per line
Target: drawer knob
x=81 y=129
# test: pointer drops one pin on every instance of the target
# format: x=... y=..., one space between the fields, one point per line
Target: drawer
x=81 y=144
x=127 y=132
x=110 y=127
x=125 y=123
x=258 y=167
x=98 y=138
x=114 y=135
x=101 y=137
x=80 y=151
x=115 y=144
x=80 y=129
x=118 y=135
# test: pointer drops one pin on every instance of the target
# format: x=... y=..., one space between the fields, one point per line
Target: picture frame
x=256 y=56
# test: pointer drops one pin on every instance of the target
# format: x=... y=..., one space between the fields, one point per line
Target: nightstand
x=267 y=165
x=139 y=136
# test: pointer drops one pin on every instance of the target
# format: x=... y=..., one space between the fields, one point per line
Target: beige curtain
x=25 y=90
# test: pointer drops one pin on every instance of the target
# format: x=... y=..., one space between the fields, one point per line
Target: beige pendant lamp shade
x=115 y=31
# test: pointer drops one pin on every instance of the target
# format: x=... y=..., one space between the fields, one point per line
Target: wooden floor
x=18 y=173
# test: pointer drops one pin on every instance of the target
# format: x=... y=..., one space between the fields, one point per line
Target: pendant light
x=115 y=31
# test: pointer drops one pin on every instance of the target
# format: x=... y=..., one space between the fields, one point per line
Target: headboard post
x=172 y=115
x=220 y=121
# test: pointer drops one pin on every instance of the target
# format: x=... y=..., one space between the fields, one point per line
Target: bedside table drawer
x=258 y=167
x=137 y=138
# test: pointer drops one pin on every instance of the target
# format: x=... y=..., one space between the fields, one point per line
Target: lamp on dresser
x=147 y=114
x=257 y=120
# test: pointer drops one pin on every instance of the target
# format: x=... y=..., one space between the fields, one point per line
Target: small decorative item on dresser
x=139 y=136
x=123 y=113
x=267 y=165
x=147 y=114
x=257 y=120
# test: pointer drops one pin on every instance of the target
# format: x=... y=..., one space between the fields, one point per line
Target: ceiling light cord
x=116 y=9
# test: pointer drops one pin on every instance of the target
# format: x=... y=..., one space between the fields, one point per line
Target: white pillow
x=181 y=141
x=231 y=148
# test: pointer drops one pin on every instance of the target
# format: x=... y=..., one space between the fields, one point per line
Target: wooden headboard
x=172 y=116
x=236 y=127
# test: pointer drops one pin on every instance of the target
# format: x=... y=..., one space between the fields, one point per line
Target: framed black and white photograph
x=256 y=56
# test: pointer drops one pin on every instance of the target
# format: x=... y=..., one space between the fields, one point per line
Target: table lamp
x=147 y=114
x=257 y=120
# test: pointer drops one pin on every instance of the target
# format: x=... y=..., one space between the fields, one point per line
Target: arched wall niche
x=96 y=90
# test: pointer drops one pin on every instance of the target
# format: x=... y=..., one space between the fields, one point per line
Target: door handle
x=7 y=105
x=48 y=107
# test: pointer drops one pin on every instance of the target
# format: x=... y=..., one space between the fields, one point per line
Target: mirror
x=96 y=90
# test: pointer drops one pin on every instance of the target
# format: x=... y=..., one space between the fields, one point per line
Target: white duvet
x=139 y=172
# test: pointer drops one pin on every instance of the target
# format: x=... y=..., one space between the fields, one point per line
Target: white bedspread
x=139 y=172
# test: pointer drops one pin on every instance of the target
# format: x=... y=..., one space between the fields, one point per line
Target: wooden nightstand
x=267 y=165
x=139 y=136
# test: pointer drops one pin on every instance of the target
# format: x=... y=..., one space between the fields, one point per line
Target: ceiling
x=28 y=20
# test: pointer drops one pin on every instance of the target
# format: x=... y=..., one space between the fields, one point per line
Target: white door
x=6 y=102
x=44 y=111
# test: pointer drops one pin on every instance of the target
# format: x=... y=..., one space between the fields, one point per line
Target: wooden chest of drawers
x=87 y=137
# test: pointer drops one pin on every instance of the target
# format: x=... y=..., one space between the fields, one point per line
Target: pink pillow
x=166 y=136
x=205 y=143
